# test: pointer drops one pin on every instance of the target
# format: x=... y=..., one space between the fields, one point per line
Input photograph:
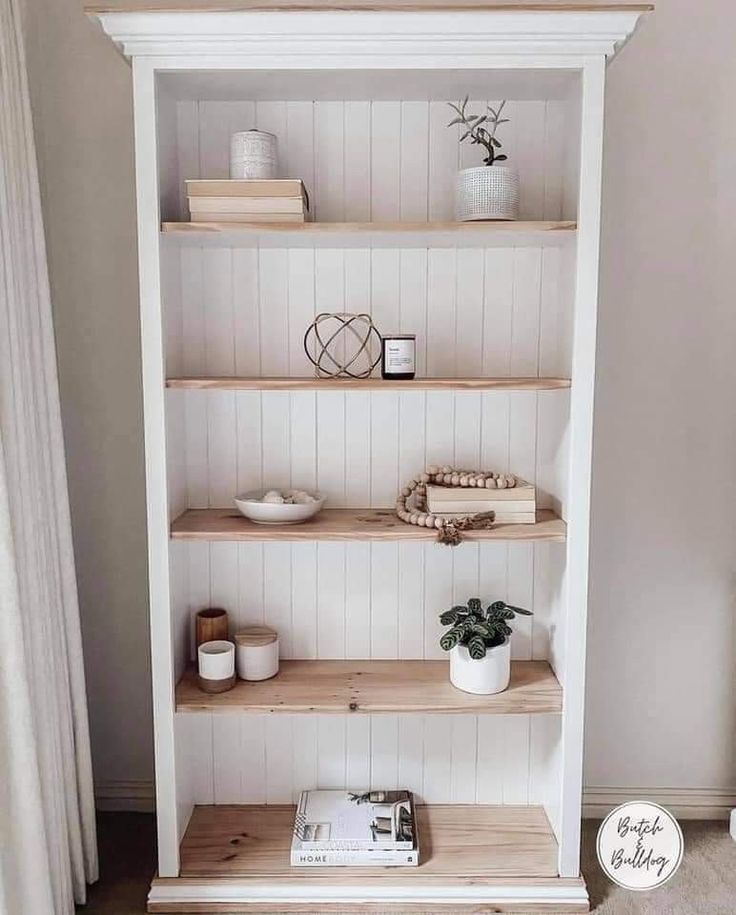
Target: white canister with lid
x=257 y=653
x=253 y=154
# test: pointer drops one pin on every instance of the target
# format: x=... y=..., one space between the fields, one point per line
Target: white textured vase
x=253 y=154
x=485 y=677
x=487 y=192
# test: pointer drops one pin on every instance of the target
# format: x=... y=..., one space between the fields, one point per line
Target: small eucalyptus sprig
x=476 y=629
x=478 y=134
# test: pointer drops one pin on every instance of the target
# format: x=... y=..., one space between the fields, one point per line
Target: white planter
x=491 y=675
x=253 y=154
x=488 y=192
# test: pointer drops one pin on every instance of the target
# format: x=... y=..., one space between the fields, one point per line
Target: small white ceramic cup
x=216 y=660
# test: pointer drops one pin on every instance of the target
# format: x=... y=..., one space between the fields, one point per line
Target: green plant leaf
x=474 y=603
x=449 y=617
x=501 y=158
x=456 y=121
x=519 y=610
x=497 y=143
x=476 y=648
x=449 y=640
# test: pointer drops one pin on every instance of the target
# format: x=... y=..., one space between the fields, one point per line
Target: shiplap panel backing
x=475 y=311
x=376 y=160
x=358 y=448
x=232 y=758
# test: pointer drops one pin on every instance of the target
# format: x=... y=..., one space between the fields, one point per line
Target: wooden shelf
x=310 y=228
x=272 y=383
x=341 y=687
x=361 y=524
x=463 y=843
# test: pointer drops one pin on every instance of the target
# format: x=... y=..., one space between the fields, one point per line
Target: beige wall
x=662 y=648
x=81 y=95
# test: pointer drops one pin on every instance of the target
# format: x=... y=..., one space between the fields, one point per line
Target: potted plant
x=490 y=191
x=479 y=645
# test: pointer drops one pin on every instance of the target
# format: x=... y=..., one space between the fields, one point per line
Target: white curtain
x=48 y=849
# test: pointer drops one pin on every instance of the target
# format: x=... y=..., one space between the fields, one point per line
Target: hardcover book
x=334 y=827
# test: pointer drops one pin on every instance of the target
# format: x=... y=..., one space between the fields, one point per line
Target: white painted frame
x=295 y=40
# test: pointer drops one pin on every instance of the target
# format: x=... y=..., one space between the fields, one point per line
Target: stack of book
x=272 y=200
x=356 y=829
x=512 y=506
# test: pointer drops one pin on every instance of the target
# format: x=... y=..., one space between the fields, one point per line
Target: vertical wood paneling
x=300 y=295
x=299 y=159
x=411 y=600
x=357 y=161
x=251 y=585
x=331 y=600
x=331 y=445
x=385 y=750
x=498 y=303
x=226 y=732
x=276 y=438
x=384 y=600
x=278 y=594
x=413 y=301
x=246 y=321
x=358 y=752
x=358 y=600
x=444 y=157
x=304 y=600
x=475 y=311
x=273 y=292
x=221 y=447
x=414 y=167
x=441 y=267
x=382 y=159
x=217 y=278
x=385 y=160
x=331 y=763
x=329 y=189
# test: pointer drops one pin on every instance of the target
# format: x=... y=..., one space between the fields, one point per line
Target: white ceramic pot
x=253 y=154
x=491 y=675
x=257 y=653
x=487 y=192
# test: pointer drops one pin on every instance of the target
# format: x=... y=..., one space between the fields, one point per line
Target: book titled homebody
x=334 y=827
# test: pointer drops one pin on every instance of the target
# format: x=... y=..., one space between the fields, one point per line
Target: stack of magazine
x=355 y=828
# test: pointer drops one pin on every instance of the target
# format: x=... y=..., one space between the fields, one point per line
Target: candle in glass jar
x=398 y=356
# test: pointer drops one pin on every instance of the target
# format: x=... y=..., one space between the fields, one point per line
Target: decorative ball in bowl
x=279 y=506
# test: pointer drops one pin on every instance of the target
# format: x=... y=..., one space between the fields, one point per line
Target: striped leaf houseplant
x=479 y=644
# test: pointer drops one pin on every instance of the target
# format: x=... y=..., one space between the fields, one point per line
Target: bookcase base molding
x=474 y=857
x=505 y=320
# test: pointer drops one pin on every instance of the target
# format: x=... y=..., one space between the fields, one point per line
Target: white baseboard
x=132 y=796
x=684 y=803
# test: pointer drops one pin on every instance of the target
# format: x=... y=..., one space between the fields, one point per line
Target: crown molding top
x=545 y=6
x=337 y=34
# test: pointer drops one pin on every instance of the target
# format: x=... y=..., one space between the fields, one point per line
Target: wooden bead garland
x=411 y=504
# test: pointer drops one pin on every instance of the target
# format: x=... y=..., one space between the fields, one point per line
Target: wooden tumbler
x=211 y=625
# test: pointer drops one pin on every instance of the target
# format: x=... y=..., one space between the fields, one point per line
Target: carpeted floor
x=704 y=885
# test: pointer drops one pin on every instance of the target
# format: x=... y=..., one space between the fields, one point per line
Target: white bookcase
x=505 y=317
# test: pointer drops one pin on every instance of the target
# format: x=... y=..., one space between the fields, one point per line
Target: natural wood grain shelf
x=464 y=843
x=362 y=524
x=367 y=384
x=342 y=687
x=310 y=228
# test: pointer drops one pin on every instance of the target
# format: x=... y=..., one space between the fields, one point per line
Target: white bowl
x=275 y=512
